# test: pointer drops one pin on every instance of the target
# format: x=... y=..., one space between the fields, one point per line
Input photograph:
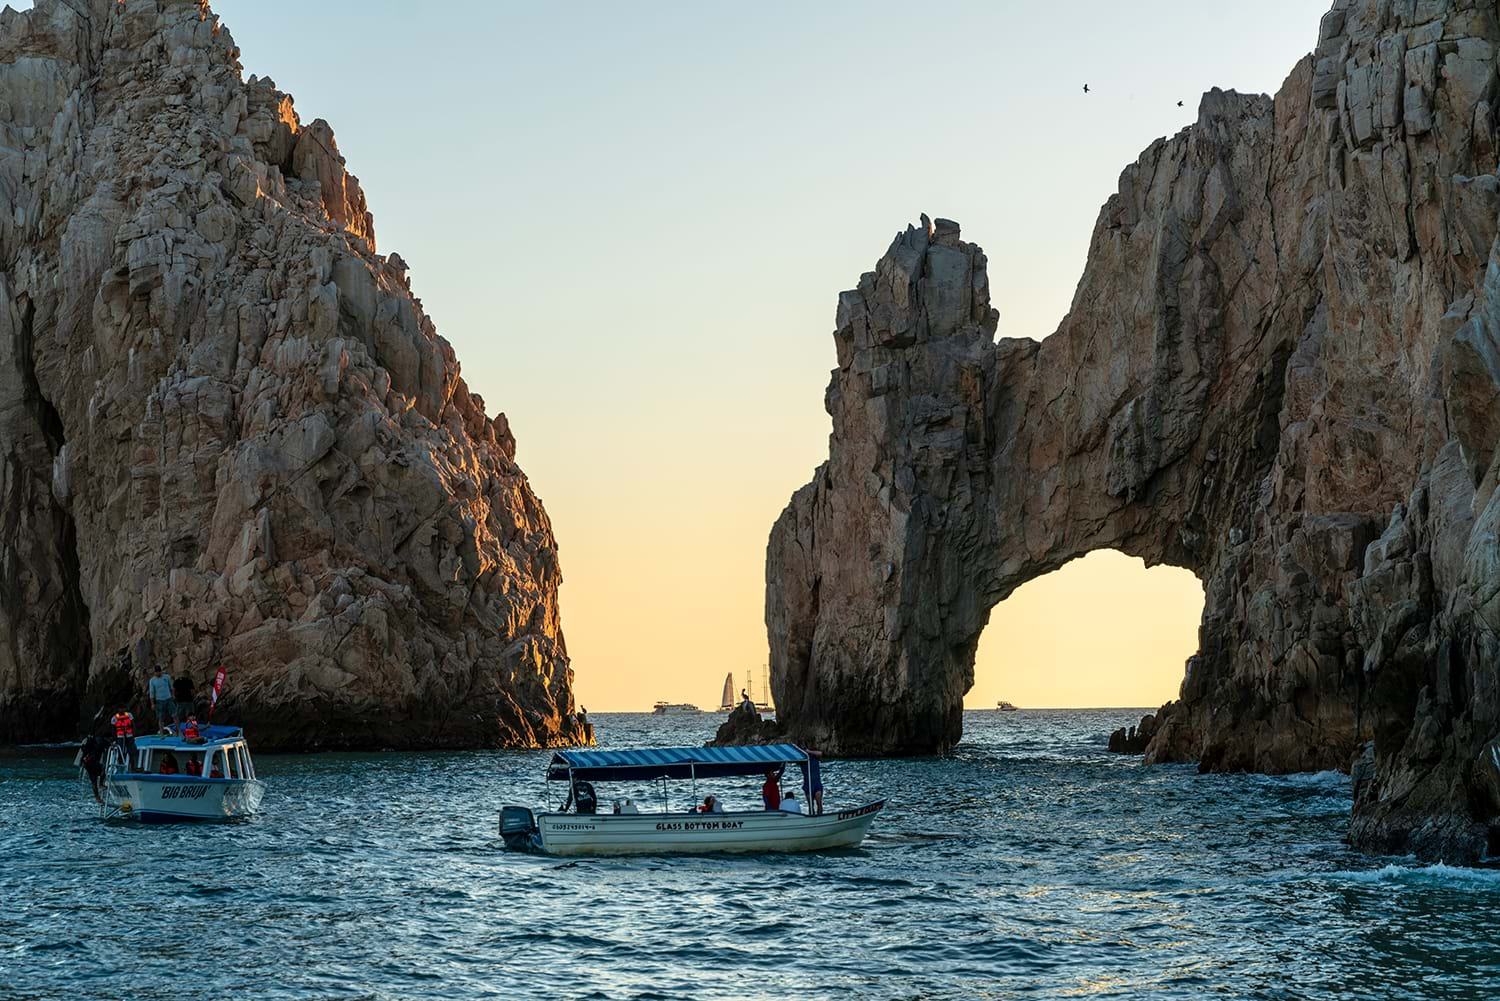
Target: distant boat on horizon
x=673 y=708
x=1007 y=707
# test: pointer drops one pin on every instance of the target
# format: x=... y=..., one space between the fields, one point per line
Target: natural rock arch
x=1279 y=372
x=961 y=468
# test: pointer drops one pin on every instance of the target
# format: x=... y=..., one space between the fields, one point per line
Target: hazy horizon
x=633 y=227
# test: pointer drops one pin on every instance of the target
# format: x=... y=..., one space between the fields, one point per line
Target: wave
x=1438 y=872
x=1311 y=780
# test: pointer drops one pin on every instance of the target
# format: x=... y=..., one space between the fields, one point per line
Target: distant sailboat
x=731 y=703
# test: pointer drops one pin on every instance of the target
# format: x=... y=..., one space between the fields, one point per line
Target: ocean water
x=1028 y=864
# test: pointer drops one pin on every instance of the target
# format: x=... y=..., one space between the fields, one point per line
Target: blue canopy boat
x=626 y=830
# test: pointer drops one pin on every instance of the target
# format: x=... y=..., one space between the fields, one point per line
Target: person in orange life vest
x=216 y=772
x=124 y=725
x=190 y=728
x=192 y=766
x=770 y=793
x=169 y=764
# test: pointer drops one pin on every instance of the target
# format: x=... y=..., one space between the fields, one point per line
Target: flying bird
x=1085 y=88
x=1179 y=104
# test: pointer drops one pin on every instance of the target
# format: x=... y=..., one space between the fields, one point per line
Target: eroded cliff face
x=1281 y=370
x=229 y=432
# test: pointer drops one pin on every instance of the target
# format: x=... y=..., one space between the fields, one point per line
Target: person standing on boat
x=182 y=694
x=814 y=784
x=160 y=687
x=770 y=793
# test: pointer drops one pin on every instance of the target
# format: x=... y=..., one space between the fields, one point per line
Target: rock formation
x=1281 y=370
x=745 y=725
x=229 y=432
x=1134 y=739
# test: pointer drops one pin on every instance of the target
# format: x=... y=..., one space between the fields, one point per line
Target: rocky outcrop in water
x=745 y=725
x=1281 y=371
x=1135 y=739
x=229 y=432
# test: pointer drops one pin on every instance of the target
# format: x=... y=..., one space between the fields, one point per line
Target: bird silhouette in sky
x=1179 y=104
x=1085 y=88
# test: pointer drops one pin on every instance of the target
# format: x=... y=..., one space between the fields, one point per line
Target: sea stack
x=230 y=434
x=1279 y=371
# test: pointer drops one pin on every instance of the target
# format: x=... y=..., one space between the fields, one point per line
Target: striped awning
x=673 y=762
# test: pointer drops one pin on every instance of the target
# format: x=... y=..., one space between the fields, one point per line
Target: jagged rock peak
x=230 y=433
x=1278 y=372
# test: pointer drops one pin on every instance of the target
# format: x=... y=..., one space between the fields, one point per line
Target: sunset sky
x=633 y=225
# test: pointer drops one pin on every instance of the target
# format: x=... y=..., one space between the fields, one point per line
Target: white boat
x=214 y=778
x=673 y=708
x=1007 y=707
x=586 y=832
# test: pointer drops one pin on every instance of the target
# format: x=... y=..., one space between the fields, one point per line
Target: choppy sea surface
x=1030 y=863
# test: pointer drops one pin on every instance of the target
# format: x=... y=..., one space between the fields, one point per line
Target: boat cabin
x=220 y=752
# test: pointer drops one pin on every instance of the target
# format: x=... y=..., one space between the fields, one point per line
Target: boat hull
x=694 y=833
x=173 y=798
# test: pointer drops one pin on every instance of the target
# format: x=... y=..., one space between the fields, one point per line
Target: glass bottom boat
x=173 y=778
x=585 y=831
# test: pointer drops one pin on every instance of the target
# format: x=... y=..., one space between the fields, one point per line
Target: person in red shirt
x=770 y=793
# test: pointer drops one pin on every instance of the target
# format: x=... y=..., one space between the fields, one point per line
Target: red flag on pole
x=213 y=699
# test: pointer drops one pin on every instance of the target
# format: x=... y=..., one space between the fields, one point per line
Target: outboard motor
x=518 y=829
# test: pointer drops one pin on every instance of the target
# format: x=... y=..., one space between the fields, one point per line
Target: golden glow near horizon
x=633 y=222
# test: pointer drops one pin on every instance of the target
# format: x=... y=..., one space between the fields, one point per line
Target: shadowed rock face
x=228 y=432
x=1281 y=371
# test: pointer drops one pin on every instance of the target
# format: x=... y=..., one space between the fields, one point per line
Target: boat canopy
x=208 y=735
x=674 y=762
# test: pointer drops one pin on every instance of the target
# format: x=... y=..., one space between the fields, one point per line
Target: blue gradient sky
x=632 y=222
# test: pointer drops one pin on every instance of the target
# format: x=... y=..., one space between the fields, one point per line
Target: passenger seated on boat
x=629 y=806
x=770 y=793
x=192 y=766
x=711 y=804
x=582 y=794
x=169 y=764
x=790 y=803
x=216 y=772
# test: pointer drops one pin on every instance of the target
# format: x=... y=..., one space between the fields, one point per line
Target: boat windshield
x=227 y=759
